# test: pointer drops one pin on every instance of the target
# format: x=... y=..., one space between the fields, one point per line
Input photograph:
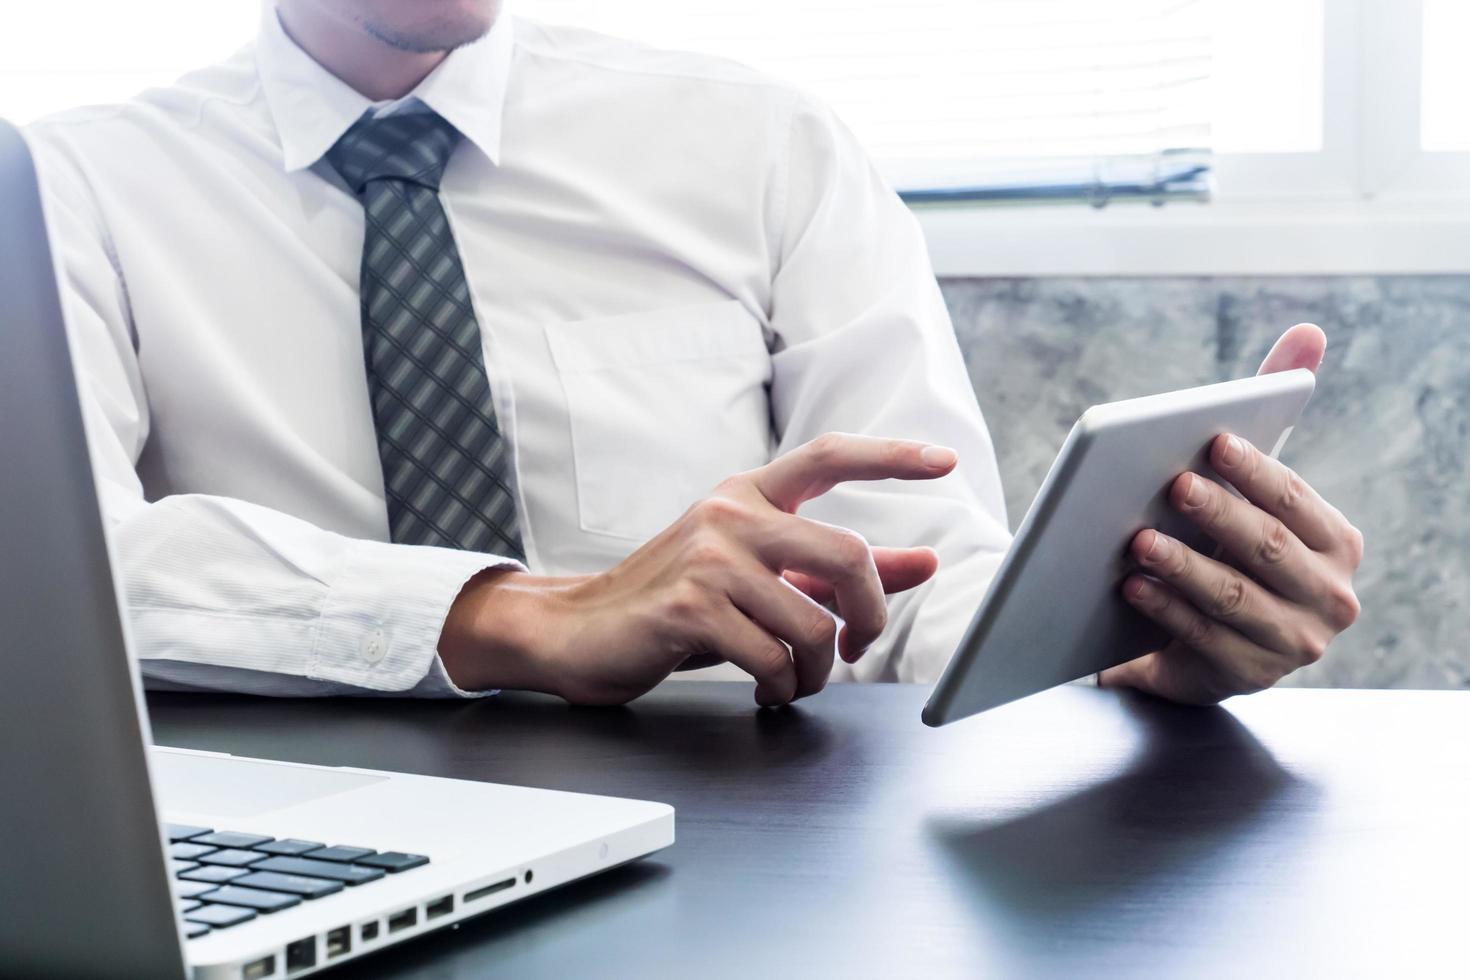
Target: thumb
x=1303 y=346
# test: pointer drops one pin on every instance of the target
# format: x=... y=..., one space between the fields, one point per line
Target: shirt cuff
x=379 y=627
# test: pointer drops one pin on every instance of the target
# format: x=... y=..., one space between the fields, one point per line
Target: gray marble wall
x=1386 y=438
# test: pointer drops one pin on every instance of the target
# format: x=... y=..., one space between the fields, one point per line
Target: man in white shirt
x=426 y=351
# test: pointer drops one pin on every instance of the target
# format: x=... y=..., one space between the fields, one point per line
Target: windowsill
x=1218 y=239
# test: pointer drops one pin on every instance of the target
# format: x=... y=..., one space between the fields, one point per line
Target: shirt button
x=374 y=645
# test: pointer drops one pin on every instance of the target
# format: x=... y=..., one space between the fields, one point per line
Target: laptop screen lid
x=83 y=880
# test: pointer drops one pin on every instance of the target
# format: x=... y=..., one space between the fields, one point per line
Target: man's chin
x=440 y=35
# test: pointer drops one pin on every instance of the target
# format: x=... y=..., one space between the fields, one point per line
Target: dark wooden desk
x=1079 y=833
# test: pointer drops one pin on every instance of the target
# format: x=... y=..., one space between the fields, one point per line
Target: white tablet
x=1054 y=611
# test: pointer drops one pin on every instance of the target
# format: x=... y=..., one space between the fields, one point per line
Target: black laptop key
x=192 y=889
x=183 y=831
x=193 y=930
x=231 y=857
x=252 y=898
x=217 y=873
x=219 y=916
x=288 y=847
x=177 y=866
x=274 y=881
x=348 y=874
x=394 y=861
x=186 y=851
x=341 y=853
x=229 y=838
x=188 y=904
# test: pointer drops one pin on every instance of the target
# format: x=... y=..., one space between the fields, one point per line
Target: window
x=1296 y=96
x=1337 y=130
x=1299 y=99
x=1445 y=125
x=1266 y=89
x=57 y=55
x=1380 y=97
x=980 y=99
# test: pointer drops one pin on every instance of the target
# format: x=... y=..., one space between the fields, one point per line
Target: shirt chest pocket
x=662 y=406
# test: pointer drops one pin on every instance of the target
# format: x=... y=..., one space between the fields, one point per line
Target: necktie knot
x=407 y=146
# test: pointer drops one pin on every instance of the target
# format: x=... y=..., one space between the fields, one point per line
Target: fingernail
x=1136 y=589
x=1233 y=452
x=1156 y=550
x=939 y=457
x=1194 y=491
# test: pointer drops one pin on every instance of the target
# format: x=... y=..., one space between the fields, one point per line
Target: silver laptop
x=122 y=860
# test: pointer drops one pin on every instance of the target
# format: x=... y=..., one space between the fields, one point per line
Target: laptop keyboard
x=224 y=878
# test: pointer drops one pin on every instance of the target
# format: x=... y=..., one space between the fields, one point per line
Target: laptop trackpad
x=226 y=786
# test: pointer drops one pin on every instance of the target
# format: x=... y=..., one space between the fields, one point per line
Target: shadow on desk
x=687 y=735
x=1189 y=806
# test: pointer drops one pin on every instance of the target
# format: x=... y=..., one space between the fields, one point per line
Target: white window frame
x=1369 y=202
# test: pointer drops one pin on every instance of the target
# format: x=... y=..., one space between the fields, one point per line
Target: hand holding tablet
x=1221 y=597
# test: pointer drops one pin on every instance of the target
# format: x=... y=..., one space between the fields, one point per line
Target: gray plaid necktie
x=445 y=464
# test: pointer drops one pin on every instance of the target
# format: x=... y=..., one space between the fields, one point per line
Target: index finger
x=1277 y=489
x=814 y=468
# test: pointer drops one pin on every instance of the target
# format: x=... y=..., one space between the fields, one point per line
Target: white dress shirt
x=680 y=269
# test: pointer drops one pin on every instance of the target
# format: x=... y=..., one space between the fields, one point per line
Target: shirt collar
x=312 y=108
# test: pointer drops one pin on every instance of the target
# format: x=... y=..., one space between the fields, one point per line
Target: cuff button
x=374 y=646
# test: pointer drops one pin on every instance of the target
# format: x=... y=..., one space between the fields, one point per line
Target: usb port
x=399 y=921
x=438 y=907
x=339 y=941
x=488 y=890
x=301 y=955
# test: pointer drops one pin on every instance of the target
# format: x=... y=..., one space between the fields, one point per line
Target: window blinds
x=1004 y=101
